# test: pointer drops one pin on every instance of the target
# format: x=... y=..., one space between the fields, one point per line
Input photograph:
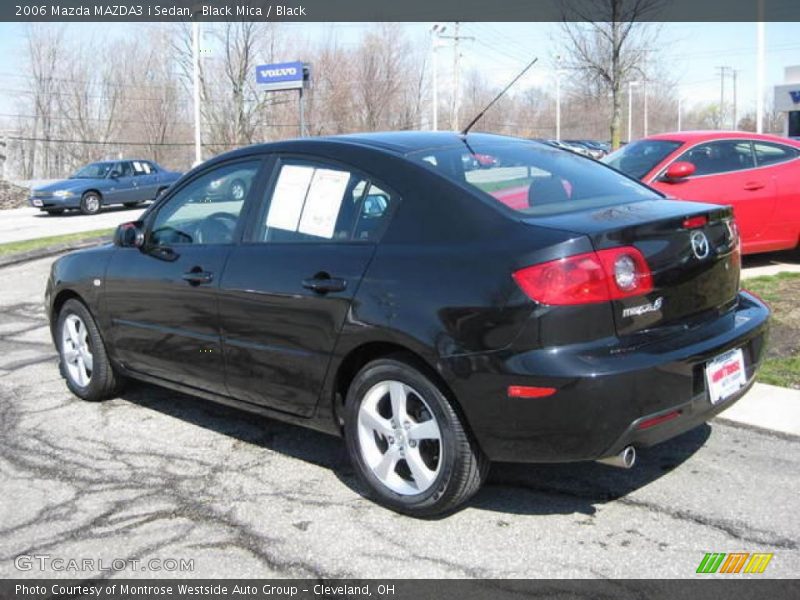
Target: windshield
x=637 y=159
x=534 y=178
x=93 y=171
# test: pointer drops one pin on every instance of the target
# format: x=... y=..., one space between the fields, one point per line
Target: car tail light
x=695 y=222
x=587 y=278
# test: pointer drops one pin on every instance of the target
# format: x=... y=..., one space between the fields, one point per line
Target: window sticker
x=323 y=202
x=289 y=196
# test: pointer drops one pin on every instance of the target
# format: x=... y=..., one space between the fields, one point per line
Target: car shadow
x=115 y=208
x=524 y=489
x=771 y=258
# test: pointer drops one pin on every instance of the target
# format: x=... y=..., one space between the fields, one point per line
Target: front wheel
x=90 y=203
x=407 y=442
x=83 y=359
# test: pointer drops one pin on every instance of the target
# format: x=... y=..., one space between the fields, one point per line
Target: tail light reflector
x=587 y=278
x=648 y=423
x=527 y=391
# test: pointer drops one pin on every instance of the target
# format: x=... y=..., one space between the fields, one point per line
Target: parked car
x=128 y=182
x=590 y=148
x=759 y=175
x=369 y=287
x=576 y=148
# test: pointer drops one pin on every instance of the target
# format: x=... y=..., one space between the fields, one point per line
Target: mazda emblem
x=700 y=244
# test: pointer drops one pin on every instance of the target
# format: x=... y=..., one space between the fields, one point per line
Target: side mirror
x=679 y=170
x=129 y=235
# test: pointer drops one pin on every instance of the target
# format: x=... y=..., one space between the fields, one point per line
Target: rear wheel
x=83 y=359
x=407 y=443
x=90 y=203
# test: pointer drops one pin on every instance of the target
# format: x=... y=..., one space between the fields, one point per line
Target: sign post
x=280 y=77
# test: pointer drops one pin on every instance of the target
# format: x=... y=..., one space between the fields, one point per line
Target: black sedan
x=545 y=308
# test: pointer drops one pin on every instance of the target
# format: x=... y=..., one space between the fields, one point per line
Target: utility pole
x=456 y=73
x=198 y=146
x=680 y=109
x=722 y=71
x=436 y=31
x=644 y=91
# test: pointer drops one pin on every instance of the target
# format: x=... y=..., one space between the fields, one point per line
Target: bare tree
x=608 y=42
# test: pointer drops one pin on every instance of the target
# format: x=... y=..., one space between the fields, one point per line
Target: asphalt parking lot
x=156 y=474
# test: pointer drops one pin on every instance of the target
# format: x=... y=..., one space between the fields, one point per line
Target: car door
x=287 y=289
x=725 y=173
x=781 y=164
x=162 y=299
x=124 y=184
x=144 y=180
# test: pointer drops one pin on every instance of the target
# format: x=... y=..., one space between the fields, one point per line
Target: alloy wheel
x=399 y=438
x=76 y=351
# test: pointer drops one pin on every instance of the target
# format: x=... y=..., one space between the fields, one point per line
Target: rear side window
x=638 y=158
x=317 y=202
x=532 y=178
x=721 y=156
x=769 y=154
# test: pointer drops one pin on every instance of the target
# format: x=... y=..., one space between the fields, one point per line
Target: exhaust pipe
x=624 y=460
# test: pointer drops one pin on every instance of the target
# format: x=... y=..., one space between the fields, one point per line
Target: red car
x=759 y=175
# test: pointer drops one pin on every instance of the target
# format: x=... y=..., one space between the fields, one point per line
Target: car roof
x=399 y=143
x=708 y=135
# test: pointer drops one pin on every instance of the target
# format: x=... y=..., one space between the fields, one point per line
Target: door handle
x=197 y=276
x=323 y=285
x=753 y=185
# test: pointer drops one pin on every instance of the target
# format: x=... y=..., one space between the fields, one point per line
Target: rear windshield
x=533 y=178
x=637 y=159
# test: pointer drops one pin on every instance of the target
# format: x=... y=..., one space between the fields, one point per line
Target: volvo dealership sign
x=787 y=97
x=282 y=76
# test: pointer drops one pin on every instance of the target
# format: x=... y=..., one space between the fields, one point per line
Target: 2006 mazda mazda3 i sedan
x=439 y=316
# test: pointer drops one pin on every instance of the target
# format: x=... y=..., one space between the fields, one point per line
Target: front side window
x=317 y=202
x=532 y=178
x=94 y=171
x=722 y=156
x=206 y=210
x=768 y=153
x=123 y=169
x=637 y=159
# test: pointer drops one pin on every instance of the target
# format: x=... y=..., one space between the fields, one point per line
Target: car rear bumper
x=604 y=390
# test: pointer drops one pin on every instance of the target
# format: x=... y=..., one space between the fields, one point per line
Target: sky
x=691 y=52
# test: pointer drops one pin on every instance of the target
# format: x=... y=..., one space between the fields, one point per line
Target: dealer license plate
x=725 y=375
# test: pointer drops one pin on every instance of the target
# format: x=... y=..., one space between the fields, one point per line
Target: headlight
x=63 y=194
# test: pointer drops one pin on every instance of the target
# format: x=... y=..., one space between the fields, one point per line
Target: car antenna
x=466 y=129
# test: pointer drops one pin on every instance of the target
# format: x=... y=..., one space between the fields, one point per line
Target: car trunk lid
x=691 y=249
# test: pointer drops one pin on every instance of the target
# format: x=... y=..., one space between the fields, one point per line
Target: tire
x=237 y=190
x=96 y=380
x=55 y=211
x=445 y=473
x=90 y=203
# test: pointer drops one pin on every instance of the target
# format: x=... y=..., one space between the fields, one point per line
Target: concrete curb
x=23 y=257
x=767 y=407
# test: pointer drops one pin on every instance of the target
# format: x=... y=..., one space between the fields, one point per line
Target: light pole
x=198 y=146
x=631 y=84
x=436 y=31
x=760 y=68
